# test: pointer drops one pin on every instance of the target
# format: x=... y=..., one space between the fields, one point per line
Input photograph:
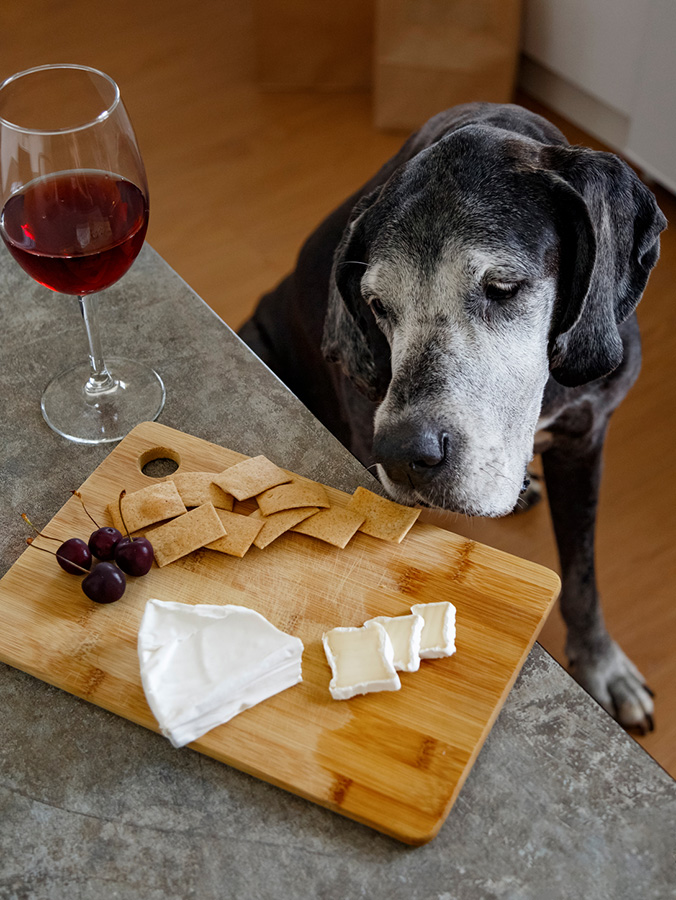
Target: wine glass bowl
x=74 y=215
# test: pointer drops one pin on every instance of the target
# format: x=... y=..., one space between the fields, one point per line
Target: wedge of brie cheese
x=438 y=634
x=405 y=633
x=361 y=661
x=201 y=665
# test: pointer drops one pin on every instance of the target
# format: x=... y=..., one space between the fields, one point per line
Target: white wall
x=594 y=44
x=652 y=136
x=610 y=67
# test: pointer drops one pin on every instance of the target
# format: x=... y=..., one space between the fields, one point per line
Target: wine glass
x=74 y=214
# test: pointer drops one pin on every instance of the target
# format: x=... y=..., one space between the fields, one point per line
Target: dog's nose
x=411 y=452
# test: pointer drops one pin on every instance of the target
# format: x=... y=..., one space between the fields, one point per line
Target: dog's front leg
x=572 y=469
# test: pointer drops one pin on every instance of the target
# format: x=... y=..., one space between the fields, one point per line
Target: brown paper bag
x=303 y=44
x=432 y=54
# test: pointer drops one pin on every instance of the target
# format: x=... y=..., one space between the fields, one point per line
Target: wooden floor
x=239 y=178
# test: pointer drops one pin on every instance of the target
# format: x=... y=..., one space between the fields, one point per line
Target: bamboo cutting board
x=395 y=761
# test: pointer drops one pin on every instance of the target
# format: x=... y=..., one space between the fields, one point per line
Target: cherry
x=134 y=555
x=73 y=556
x=103 y=542
x=105 y=583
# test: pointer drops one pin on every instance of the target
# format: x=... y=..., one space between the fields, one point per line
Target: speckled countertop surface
x=560 y=803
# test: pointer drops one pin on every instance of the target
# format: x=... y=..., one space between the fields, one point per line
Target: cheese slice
x=361 y=661
x=404 y=633
x=202 y=665
x=438 y=634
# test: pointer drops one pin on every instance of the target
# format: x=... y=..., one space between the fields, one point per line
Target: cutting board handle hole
x=159 y=462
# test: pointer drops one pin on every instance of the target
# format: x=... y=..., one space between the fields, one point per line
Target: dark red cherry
x=73 y=556
x=104 y=584
x=134 y=555
x=103 y=541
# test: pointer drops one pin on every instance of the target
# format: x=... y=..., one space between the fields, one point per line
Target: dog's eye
x=500 y=291
x=377 y=307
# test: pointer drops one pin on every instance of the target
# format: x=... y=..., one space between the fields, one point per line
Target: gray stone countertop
x=560 y=803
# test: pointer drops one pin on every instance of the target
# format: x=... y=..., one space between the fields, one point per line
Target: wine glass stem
x=100 y=379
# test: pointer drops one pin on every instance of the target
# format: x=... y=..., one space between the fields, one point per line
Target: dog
x=478 y=291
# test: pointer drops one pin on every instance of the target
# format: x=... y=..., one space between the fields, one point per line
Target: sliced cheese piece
x=438 y=634
x=202 y=665
x=361 y=661
x=404 y=632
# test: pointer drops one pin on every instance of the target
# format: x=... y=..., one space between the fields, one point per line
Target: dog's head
x=486 y=263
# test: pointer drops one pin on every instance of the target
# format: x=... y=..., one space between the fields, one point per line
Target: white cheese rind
x=361 y=661
x=202 y=665
x=404 y=633
x=438 y=634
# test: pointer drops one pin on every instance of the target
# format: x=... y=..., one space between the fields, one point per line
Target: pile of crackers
x=196 y=510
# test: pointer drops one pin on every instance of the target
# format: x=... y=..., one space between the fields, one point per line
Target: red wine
x=76 y=232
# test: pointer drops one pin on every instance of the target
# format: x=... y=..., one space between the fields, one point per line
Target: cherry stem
x=79 y=497
x=70 y=562
x=37 y=530
x=124 y=524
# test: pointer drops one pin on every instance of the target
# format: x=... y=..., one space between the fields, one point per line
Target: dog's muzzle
x=413 y=455
x=427 y=463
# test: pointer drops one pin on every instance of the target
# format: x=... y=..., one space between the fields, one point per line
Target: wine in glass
x=74 y=215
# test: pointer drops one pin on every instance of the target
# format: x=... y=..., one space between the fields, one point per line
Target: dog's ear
x=352 y=337
x=609 y=226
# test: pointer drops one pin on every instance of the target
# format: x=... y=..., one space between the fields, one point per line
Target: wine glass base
x=101 y=417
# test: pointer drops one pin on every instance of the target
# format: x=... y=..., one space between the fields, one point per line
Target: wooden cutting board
x=395 y=761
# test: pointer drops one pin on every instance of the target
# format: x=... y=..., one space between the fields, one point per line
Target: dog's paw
x=615 y=682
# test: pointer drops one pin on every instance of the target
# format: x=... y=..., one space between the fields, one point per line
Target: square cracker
x=336 y=526
x=291 y=496
x=185 y=533
x=385 y=519
x=240 y=533
x=250 y=477
x=147 y=506
x=279 y=523
x=197 y=488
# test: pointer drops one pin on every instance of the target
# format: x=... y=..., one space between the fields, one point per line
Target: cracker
x=147 y=506
x=240 y=533
x=197 y=488
x=279 y=523
x=336 y=526
x=291 y=496
x=185 y=533
x=385 y=519
x=250 y=477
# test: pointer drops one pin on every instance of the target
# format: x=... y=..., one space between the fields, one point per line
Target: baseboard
x=584 y=110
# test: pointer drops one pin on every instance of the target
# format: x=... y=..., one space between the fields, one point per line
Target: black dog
x=479 y=289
